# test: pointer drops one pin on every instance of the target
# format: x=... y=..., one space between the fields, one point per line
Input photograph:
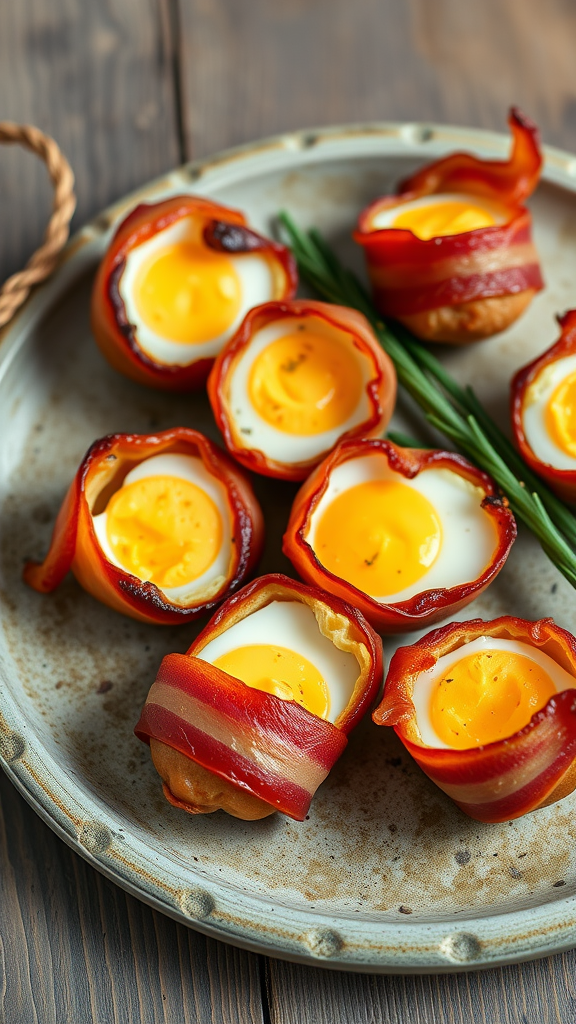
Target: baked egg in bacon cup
x=296 y=378
x=174 y=285
x=488 y=711
x=451 y=255
x=255 y=714
x=407 y=536
x=161 y=527
x=544 y=411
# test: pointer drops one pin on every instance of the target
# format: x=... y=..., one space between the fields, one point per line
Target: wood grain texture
x=486 y=55
x=75 y=948
x=124 y=87
x=543 y=992
x=264 y=66
x=99 y=78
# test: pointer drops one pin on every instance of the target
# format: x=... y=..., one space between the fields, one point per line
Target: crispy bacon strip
x=221 y=228
x=271 y=748
x=563 y=481
x=74 y=545
x=509 y=778
x=511 y=181
x=380 y=388
x=411 y=275
x=427 y=607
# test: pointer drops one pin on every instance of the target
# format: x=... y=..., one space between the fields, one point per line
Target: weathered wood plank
x=73 y=947
x=485 y=56
x=542 y=992
x=259 y=67
x=76 y=948
x=99 y=78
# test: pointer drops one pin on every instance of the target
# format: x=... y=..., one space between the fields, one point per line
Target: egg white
x=293 y=624
x=536 y=399
x=252 y=431
x=186 y=467
x=425 y=681
x=468 y=536
x=256 y=281
x=385 y=218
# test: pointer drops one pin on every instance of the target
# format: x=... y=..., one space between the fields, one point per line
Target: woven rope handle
x=42 y=263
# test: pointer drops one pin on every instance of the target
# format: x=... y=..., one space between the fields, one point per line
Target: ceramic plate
x=385 y=874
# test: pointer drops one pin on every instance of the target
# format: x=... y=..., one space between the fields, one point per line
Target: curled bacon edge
x=380 y=388
x=410 y=275
x=74 y=545
x=503 y=780
x=272 y=749
x=117 y=338
x=431 y=605
x=562 y=481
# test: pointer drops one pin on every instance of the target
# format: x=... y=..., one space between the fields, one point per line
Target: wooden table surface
x=129 y=89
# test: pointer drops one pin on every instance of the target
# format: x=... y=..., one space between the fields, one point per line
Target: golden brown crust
x=564 y=786
x=275 y=751
x=200 y=791
x=469 y=321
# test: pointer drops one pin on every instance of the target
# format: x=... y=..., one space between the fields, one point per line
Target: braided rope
x=42 y=263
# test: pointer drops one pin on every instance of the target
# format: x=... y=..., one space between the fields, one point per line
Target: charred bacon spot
x=149 y=594
x=234 y=238
x=128 y=329
x=494 y=501
x=117 y=301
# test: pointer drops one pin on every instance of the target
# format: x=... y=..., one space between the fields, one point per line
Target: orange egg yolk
x=453 y=217
x=488 y=696
x=561 y=415
x=188 y=293
x=381 y=536
x=280 y=671
x=306 y=383
x=164 y=529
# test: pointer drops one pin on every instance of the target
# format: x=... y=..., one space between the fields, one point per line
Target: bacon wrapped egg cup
x=177 y=280
x=406 y=536
x=488 y=711
x=451 y=255
x=296 y=378
x=544 y=411
x=253 y=717
x=161 y=527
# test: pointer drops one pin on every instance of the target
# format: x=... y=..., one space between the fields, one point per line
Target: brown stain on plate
x=381 y=843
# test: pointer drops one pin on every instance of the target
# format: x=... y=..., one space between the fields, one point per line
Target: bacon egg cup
x=175 y=283
x=295 y=379
x=543 y=404
x=161 y=527
x=406 y=536
x=255 y=714
x=488 y=711
x=451 y=255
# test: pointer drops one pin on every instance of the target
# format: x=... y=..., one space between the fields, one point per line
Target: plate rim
x=417 y=947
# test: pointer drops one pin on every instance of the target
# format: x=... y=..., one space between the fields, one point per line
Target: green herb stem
x=454 y=411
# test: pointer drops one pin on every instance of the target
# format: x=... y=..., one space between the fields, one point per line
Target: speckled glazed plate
x=385 y=875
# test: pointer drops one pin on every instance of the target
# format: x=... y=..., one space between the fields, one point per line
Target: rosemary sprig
x=468 y=403
x=456 y=412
